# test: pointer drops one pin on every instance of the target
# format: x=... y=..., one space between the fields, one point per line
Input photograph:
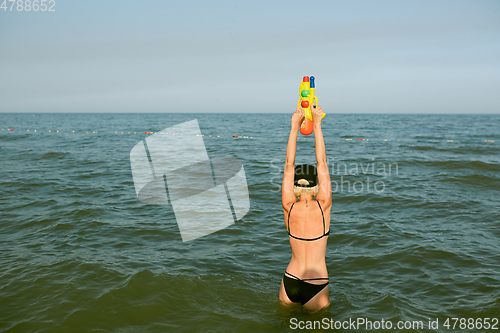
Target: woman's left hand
x=317 y=115
x=297 y=117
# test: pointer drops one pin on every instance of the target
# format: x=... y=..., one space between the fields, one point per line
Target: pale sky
x=229 y=56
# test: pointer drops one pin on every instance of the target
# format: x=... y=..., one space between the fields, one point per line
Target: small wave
x=474 y=180
x=86 y=212
x=453 y=165
x=55 y=155
x=13 y=137
x=460 y=150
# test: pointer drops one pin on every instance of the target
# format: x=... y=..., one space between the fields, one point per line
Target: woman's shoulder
x=288 y=206
x=324 y=204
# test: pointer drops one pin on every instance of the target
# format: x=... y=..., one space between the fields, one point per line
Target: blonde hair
x=298 y=191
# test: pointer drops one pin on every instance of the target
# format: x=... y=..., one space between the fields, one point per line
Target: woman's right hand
x=297 y=117
x=317 y=115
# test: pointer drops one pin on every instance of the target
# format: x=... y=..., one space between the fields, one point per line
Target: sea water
x=415 y=225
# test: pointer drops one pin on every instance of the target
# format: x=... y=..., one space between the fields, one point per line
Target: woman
x=307 y=221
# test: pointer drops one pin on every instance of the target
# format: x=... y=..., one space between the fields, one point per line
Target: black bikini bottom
x=299 y=291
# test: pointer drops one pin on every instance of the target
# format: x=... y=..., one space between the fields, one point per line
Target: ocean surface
x=415 y=231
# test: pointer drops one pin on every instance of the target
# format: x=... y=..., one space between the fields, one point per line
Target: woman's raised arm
x=287 y=196
x=325 y=184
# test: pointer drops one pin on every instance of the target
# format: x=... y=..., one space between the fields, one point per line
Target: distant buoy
x=235 y=136
x=146 y=132
x=11 y=129
x=360 y=139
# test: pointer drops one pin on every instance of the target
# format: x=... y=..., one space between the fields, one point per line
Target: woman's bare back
x=308 y=238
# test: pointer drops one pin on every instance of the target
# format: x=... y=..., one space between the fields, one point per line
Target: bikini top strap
x=288 y=222
x=323 y=218
x=307 y=239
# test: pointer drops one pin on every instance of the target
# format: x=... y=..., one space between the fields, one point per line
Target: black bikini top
x=307 y=239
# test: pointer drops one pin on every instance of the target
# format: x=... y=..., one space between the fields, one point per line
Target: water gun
x=306 y=100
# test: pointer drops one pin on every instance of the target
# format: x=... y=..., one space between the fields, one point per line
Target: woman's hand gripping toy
x=307 y=100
